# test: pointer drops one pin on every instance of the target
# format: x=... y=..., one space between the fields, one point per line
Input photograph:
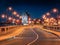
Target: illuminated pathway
x=32 y=36
x=45 y=38
x=37 y=36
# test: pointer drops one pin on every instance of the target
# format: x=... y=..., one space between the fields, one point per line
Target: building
x=24 y=19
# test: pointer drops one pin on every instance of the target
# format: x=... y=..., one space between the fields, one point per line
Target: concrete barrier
x=56 y=28
x=7 y=29
x=11 y=31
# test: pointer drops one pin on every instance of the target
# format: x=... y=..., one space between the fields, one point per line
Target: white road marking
x=37 y=36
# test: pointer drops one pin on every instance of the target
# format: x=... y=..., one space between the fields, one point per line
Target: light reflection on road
x=28 y=36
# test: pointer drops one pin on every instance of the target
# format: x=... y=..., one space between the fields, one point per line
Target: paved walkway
x=51 y=31
x=17 y=31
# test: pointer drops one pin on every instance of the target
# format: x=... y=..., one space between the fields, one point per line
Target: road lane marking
x=51 y=32
x=37 y=36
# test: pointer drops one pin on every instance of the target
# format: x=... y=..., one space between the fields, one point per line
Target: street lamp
x=59 y=22
x=14 y=13
x=17 y=21
x=51 y=18
x=10 y=8
x=14 y=19
x=55 y=10
x=29 y=19
x=20 y=17
x=10 y=18
x=3 y=16
x=46 y=21
x=17 y=15
x=48 y=14
x=44 y=16
x=53 y=21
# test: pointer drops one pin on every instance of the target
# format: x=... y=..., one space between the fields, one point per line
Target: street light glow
x=10 y=8
x=55 y=10
x=44 y=16
x=29 y=18
x=20 y=17
x=48 y=14
x=10 y=18
x=3 y=16
x=17 y=20
x=47 y=20
x=17 y=15
x=14 y=19
x=14 y=13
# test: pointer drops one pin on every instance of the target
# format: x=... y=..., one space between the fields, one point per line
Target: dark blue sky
x=36 y=8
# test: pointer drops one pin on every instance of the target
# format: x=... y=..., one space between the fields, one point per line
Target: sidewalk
x=51 y=31
x=10 y=35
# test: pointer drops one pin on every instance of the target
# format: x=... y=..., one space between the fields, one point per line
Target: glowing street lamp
x=10 y=8
x=10 y=18
x=55 y=10
x=53 y=21
x=17 y=21
x=48 y=14
x=37 y=22
x=17 y=15
x=29 y=19
x=14 y=19
x=47 y=20
x=3 y=16
x=14 y=13
x=52 y=18
x=20 y=17
x=44 y=16
x=59 y=22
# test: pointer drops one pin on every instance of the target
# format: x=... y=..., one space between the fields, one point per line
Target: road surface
x=33 y=36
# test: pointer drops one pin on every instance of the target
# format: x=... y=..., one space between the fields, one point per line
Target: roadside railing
x=7 y=29
x=56 y=28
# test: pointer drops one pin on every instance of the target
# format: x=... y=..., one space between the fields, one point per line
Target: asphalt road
x=46 y=38
x=33 y=36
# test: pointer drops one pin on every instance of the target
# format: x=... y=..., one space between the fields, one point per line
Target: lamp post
x=56 y=11
x=45 y=17
x=48 y=14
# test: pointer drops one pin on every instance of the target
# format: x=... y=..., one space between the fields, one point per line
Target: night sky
x=36 y=8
